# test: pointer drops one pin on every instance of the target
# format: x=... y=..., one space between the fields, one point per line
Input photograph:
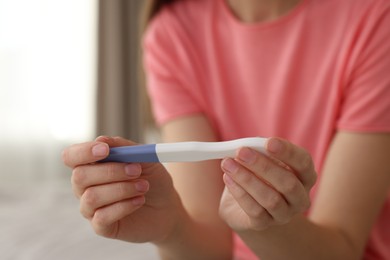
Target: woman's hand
x=131 y=202
x=261 y=190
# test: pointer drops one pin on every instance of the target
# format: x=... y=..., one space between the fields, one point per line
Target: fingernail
x=246 y=155
x=133 y=170
x=274 y=145
x=102 y=138
x=138 y=201
x=229 y=165
x=99 y=150
x=228 y=180
x=142 y=186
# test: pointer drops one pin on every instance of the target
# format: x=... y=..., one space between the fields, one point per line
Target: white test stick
x=183 y=151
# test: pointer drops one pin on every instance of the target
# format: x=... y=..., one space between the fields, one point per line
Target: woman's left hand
x=262 y=191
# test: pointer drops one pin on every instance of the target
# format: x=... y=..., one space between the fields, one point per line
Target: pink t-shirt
x=322 y=67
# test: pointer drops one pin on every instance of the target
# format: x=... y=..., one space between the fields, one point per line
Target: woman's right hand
x=131 y=202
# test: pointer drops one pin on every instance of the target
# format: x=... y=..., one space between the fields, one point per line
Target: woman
x=314 y=73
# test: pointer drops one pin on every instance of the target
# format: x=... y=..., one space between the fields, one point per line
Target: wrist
x=193 y=240
x=177 y=221
x=173 y=244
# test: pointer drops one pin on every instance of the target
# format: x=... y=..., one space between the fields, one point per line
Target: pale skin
x=190 y=212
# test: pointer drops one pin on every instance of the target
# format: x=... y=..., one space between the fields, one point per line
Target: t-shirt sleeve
x=366 y=104
x=169 y=77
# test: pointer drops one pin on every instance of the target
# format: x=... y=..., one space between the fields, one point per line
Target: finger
x=115 y=141
x=295 y=157
x=119 y=141
x=96 y=174
x=106 y=217
x=90 y=152
x=103 y=195
x=266 y=196
x=281 y=178
x=84 y=153
x=258 y=217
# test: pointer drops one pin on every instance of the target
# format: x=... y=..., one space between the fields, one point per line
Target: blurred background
x=69 y=71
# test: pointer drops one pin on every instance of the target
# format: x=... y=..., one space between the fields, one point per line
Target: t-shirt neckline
x=262 y=25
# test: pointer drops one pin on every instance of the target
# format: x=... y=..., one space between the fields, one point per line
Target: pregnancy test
x=183 y=151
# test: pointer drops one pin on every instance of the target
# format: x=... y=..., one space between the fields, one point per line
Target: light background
x=47 y=101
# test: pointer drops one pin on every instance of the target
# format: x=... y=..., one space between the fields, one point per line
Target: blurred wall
x=47 y=84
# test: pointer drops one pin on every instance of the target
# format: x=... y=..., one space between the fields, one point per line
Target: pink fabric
x=322 y=67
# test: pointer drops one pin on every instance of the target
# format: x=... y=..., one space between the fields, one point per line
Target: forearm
x=300 y=239
x=195 y=240
x=200 y=232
